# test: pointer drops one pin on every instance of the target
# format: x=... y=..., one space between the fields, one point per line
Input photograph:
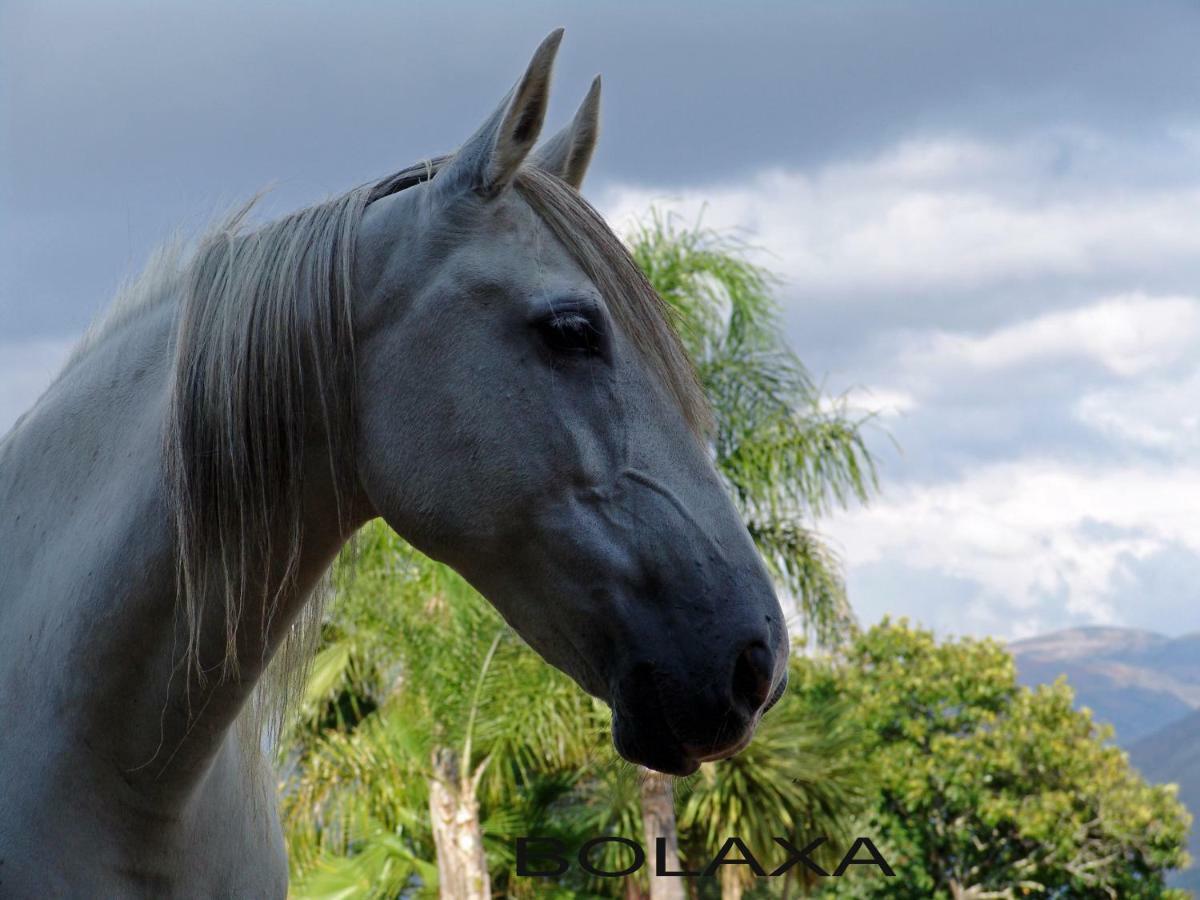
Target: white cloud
x=995 y=297
x=945 y=213
x=1030 y=534
x=1128 y=335
x=886 y=403
x=1159 y=413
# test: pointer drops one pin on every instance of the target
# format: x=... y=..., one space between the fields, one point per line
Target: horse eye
x=570 y=331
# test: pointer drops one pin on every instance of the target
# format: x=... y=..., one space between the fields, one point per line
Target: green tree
x=985 y=789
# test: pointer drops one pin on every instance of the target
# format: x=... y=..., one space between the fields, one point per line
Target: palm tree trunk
x=658 y=820
x=457 y=834
x=732 y=885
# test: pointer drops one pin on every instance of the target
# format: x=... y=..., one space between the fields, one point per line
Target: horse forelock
x=641 y=314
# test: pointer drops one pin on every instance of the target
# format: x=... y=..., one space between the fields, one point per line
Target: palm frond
x=787 y=454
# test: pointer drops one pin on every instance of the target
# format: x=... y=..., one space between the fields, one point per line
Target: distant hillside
x=1137 y=681
x=1148 y=687
x=1173 y=754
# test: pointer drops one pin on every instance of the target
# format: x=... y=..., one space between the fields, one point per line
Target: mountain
x=1137 y=681
x=1147 y=686
x=1173 y=754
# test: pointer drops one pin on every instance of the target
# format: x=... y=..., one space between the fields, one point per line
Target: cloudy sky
x=987 y=217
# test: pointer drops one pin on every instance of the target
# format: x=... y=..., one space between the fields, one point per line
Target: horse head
x=526 y=414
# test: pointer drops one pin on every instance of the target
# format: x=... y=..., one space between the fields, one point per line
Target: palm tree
x=422 y=711
x=800 y=777
x=788 y=455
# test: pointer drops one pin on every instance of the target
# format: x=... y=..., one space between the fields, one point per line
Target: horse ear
x=488 y=160
x=568 y=153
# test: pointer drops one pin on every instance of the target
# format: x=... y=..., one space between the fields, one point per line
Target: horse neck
x=88 y=573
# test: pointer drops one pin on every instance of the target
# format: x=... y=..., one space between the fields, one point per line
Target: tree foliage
x=984 y=788
x=411 y=660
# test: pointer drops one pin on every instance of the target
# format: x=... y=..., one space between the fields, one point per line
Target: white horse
x=464 y=349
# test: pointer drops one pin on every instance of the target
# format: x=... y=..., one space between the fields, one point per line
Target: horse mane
x=264 y=357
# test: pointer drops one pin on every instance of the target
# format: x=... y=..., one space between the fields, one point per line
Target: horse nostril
x=752 y=676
